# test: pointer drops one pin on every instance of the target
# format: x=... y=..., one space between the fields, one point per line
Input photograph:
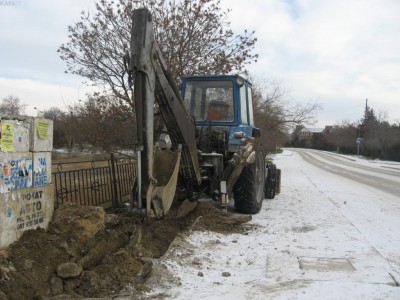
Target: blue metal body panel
x=248 y=132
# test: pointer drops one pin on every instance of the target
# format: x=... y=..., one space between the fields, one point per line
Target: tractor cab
x=219 y=99
x=221 y=104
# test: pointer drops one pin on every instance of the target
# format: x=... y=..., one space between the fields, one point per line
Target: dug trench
x=88 y=252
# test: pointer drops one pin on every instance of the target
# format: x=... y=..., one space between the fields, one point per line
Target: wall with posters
x=26 y=192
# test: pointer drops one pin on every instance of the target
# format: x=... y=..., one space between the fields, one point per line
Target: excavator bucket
x=161 y=191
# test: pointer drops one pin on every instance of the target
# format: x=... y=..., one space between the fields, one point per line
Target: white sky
x=336 y=52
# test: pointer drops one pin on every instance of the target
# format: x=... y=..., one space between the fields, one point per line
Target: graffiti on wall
x=15 y=174
x=32 y=212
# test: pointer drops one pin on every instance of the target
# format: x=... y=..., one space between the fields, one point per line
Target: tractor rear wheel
x=270 y=183
x=249 y=189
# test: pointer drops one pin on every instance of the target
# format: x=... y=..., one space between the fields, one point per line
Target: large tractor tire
x=271 y=182
x=248 y=191
x=278 y=181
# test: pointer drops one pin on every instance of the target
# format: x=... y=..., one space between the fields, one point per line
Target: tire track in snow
x=351 y=163
x=383 y=184
x=392 y=269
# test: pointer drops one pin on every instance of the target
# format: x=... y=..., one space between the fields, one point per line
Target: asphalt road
x=384 y=176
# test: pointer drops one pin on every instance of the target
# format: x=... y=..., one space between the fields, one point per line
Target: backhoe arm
x=153 y=84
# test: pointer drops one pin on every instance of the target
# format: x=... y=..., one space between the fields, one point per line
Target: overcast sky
x=336 y=52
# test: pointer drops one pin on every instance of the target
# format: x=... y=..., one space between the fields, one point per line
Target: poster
x=16 y=174
x=42 y=127
x=7 y=137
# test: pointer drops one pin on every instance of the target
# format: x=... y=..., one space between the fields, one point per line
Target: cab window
x=250 y=103
x=243 y=105
x=210 y=100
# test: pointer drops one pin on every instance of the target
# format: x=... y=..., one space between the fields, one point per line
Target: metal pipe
x=139 y=179
x=138 y=97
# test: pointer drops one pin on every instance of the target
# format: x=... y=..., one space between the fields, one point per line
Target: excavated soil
x=87 y=252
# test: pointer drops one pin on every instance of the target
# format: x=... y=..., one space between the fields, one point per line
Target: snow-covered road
x=330 y=234
x=381 y=175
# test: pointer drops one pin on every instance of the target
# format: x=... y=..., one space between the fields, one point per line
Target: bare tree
x=274 y=110
x=54 y=113
x=194 y=37
x=276 y=115
x=94 y=124
x=342 y=137
x=202 y=40
x=12 y=106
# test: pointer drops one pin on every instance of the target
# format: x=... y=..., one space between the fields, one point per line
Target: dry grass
x=78 y=161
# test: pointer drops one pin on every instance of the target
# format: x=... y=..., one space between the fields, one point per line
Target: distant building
x=309 y=132
x=308 y=137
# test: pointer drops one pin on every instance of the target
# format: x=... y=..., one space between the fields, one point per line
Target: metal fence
x=106 y=182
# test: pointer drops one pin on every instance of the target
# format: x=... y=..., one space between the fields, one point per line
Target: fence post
x=114 y=181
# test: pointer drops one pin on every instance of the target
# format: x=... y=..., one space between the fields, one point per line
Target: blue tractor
x=207 y=144
x=222 y=111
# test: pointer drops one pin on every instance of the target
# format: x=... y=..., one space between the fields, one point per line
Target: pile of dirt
x=87 y=252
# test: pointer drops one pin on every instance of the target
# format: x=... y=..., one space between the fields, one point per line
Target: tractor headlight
x=240 y=81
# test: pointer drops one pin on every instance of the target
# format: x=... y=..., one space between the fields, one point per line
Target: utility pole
x=359 y=139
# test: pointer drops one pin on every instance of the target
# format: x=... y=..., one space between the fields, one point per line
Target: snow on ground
x=323 y=237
